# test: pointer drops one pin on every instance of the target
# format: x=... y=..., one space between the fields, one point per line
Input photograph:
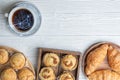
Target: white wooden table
x=66 y=24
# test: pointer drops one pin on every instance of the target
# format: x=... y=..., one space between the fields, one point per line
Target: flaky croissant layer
x=95 y=58
x=104 y=75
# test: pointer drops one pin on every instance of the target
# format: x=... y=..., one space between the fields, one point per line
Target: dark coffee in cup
x=22 y=20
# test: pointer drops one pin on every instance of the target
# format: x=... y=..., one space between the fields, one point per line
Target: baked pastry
x=69 y=62
x=51 y=59
x=47 y=73
x=17 y=61
x=114 y=59
x=104 y=75
x=8 y=74
x=95 y=58
x=66 y=76
x=3 y=56
x=26 y=74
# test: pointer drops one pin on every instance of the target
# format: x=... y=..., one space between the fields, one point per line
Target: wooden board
x=58 y=70
x=66 y=24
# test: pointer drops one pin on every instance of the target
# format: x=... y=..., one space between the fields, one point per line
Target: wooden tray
x=58 y=70
x=11 y=52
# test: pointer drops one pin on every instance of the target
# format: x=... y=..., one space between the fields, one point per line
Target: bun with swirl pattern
x=47 y=73
x=66 y=76
x=69 y=62
x=51 y=59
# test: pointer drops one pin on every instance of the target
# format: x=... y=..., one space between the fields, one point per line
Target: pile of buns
x=13 y=66
x=51 y=60
x=97 y=56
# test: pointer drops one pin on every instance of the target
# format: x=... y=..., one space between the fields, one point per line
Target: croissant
x=95 y=58
x=114 y=59
x=104 y=75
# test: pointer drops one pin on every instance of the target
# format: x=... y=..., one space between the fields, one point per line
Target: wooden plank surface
x=66 y=24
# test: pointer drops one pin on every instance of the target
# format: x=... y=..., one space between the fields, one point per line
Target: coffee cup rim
x=11 y=16
x=35 y=26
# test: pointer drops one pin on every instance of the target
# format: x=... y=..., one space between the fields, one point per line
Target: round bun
x=66 y=76
x=26 y=74
x=51 y=59
x=17 y=61
x=47 y=73
x=8 y=74
x=69 y=62
x=4 y=56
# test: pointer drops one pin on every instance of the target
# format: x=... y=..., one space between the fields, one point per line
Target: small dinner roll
x=25 y=74
x=17 y=61
x=4 y=56
x=8 y=74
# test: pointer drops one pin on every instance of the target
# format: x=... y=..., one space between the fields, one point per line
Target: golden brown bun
x=51 y=59
x=8 y=74
x=69 y=62
x=104 y=75
x=17 y=61
x=4 y=56
x=47 y=73
x=114 y=59
x=95 y=58
x=66 y=76
x=26 y=74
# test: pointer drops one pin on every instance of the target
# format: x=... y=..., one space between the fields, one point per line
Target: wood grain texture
x=66 y=24
x=69 y=17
